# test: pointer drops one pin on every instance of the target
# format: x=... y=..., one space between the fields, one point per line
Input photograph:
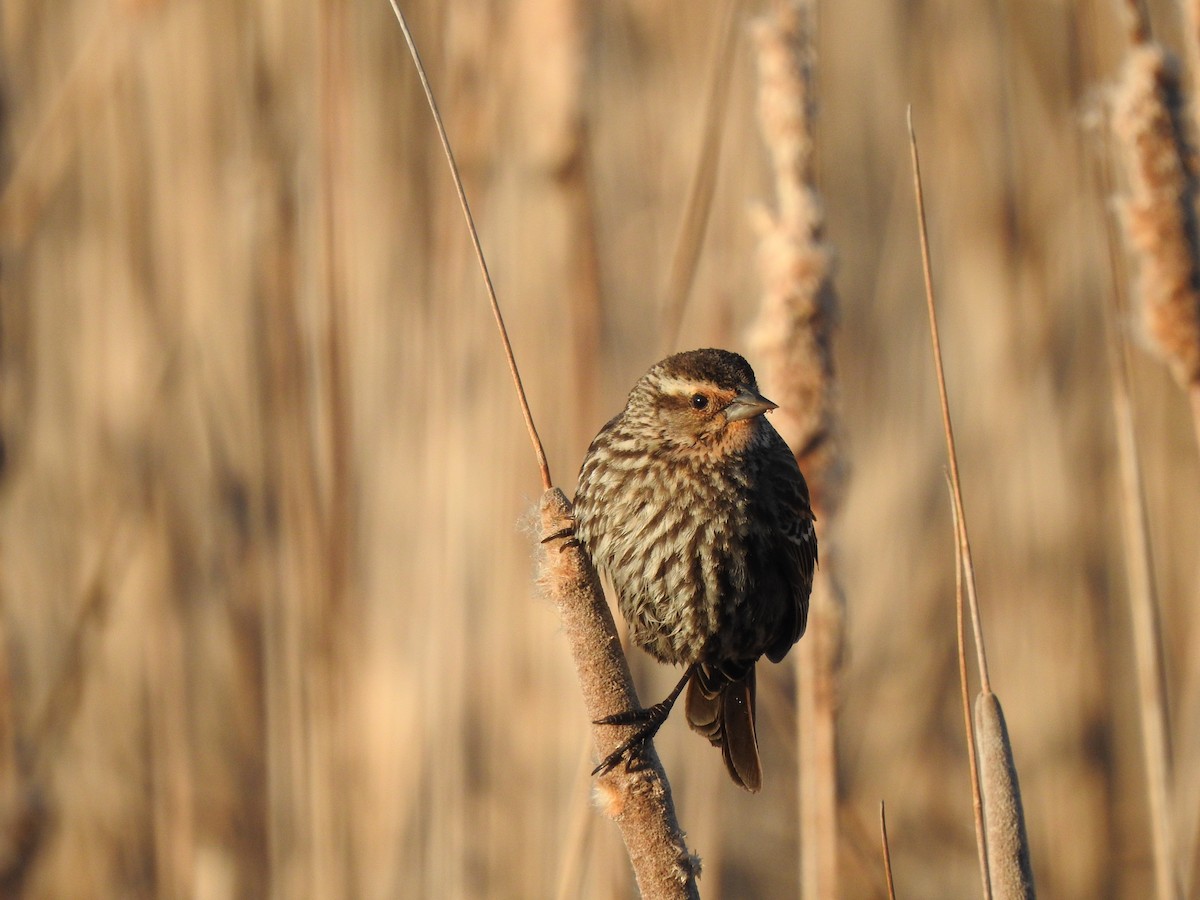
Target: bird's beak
x=747 y=405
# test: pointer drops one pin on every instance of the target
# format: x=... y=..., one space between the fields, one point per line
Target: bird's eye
x=699 y=401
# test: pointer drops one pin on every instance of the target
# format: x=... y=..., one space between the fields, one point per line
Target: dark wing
x=790 y=549
x=720 y=706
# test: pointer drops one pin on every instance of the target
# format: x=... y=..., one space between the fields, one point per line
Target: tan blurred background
x=268 y=620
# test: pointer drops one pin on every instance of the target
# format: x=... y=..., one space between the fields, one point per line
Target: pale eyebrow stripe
x=679 y=386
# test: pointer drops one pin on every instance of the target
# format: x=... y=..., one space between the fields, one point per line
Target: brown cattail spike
x=1004 y=818
x=637 y=799
x=1159 y=212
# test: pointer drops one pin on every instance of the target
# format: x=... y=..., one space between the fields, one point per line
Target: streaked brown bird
x=694 y=507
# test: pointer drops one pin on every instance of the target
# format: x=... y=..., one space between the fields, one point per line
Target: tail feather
x=724 y=712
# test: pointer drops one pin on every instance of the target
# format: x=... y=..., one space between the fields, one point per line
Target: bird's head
x=702 y=401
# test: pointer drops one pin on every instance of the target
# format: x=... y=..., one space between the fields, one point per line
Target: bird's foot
x=650 y=716
x=630 y=751
x=566 y=535
x=648 y=720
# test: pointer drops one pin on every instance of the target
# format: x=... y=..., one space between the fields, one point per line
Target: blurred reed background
x=268 y=622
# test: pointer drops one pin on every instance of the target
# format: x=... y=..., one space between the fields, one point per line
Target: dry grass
x=887 y=852
x=285 y=467
x=792 y=343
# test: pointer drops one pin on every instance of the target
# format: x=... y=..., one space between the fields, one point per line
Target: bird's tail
x=721 y=708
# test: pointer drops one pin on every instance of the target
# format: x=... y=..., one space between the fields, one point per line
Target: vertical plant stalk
x=792 y=340
x=1008 y=870
x=326 y=675
x=793 y=335
x=887 y=852
x=30 y=754
x=638 y=800
x=1139 y=570
x=539 y=451
x=944 y=400
x=704 y=181
x=1159 y=212
x=170 y=767
x=965 y=687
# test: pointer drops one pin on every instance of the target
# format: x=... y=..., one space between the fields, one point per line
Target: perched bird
x=694 y=507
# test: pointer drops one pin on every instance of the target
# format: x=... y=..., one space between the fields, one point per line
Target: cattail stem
x=1143 y=599
x=1194 y=399
x=793 y=339
x=887 y=852
x=1007 y=866
x=539 y=451
x=943 y=398
x=968 y=720
x=638 y=800
x=703 y=186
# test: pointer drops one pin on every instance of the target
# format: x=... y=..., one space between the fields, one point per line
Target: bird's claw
x=630 y=752
x=649 y=719
x=647 y=716
x=568 y=532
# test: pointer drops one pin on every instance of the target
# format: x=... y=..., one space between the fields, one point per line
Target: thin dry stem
x=23 y=816
x=1194 y=400
x=1004 y=823
x=1009 y=868
x=952 y=453
x=1139 y=569
x=539 y=451
x=793 y=341
x=637 y=799
x=578 y=828
x=968 y=721
x=887 y=852
x=1191 y=44
x=703 y=186
x=793 y=334
x=328 y=671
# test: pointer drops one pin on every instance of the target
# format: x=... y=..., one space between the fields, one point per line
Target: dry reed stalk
x=1139 y=570
x=793 y=335
x=1159 y=212
x=331 y=617
x=637 y=799
x=539 y=451
x=1009 y=873
x=22 y=813
x=944 y=400
x=1191 y=47
x=292 y=602
x=579 y=821
x=792 y=339
x=887 y=852
x=25 y=813
x=46 y=156
x=965 y=689
x=171 y=776
x=704 y=180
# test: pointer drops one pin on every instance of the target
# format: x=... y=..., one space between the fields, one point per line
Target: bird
x=694 y=507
